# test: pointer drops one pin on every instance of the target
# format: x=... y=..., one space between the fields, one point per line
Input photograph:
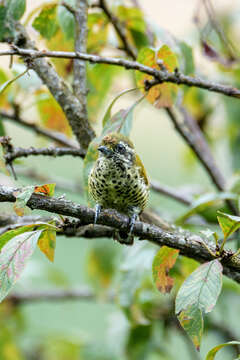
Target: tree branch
x=159 y=75
x=120 y=30
x=189 y=244
x=79 y=66
x=18 y=152
x=52 y=135
x=81 y=293
x=59 y=89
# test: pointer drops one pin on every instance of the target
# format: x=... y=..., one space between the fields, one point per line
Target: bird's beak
x=105 y=151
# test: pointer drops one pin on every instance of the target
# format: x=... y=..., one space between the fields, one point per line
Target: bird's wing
x=142 y=170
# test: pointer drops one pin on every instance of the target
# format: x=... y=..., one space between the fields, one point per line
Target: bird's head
x=117 y=147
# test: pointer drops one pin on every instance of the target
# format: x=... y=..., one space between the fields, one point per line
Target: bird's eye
x=121 y=148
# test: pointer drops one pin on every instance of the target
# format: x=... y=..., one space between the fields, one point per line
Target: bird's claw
x=97 y=213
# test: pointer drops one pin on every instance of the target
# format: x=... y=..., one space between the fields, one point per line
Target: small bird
x=119 y=181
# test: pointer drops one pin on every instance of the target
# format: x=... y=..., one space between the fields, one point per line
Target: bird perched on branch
x=119 y=181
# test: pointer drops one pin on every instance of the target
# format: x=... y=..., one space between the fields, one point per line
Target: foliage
x=138 y=286
x=162 y=95
x=197 y=296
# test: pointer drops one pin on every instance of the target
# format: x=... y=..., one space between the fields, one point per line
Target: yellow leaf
x=47 y=243
x=162 y=95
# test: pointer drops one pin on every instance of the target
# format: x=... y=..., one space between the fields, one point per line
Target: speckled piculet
x=119 y=181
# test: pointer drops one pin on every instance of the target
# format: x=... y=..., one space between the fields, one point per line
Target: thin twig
x=53 y=135
x=172 y=193
x=158 y=75
x=188 y=243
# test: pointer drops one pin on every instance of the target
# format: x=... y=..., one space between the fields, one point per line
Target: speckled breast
x=118 y=186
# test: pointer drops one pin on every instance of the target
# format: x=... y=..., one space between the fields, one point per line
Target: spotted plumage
x=118 y=179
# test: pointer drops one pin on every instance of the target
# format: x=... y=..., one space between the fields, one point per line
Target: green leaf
x=134 y=24
x=8 y=235
x=228 y=223
x=22 y=197
x=2 y=132
x=3 y=167
x=191 y=320
x=187 y=57
x=162 y=95
x=3 y=17
x=121 y=122
x=66 y=22
x=205 y=202
x=107 y=115
x=162 y=263
x=16 y=9
x=100 y=78
x=46 y=22
x=13 y=258
x=9 y=82
x=211 y=354
x=201 y=288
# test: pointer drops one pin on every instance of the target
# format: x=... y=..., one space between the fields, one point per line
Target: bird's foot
x=132 y=221
x=126 y=238
x=97 y=212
